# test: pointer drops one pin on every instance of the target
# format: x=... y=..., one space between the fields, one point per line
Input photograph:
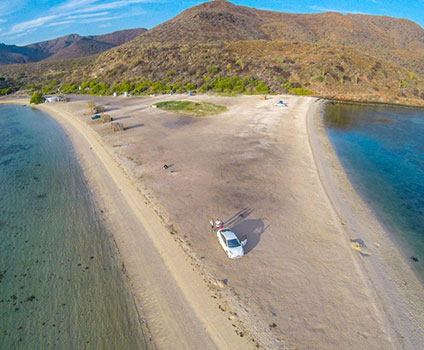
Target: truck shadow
x=253 y=228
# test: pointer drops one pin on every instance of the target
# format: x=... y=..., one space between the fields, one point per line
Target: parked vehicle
x=231 y=244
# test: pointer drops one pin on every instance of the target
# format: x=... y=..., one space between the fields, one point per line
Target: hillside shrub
x=300 y=91
x=318 y=78
x=288 y=86
x=36 y=98
x=67 y=89
x=124 y=87
x=262 y=88
x=190 y=87
x=224 y=85
x=6 y=91
x=212 y=69
x=158 y=87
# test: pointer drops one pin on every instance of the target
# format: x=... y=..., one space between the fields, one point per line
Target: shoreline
x=338 y=190
x=370 y=103
x=191 y=319
x=394 y=281
x=403 y=249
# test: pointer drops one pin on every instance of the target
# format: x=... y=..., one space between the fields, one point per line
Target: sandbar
x=270 y=173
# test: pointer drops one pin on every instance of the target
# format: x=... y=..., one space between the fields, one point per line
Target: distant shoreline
x=370 y=103
x=318 y=97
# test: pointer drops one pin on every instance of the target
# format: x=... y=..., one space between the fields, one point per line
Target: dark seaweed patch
x=14 y=149
x=7 y=161
x=2 y=274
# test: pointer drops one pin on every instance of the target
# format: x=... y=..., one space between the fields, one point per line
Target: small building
x=50 y=99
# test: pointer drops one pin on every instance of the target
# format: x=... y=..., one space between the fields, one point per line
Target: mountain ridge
x=68 y=46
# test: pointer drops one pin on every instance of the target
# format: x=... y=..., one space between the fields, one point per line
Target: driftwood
x=117 y=127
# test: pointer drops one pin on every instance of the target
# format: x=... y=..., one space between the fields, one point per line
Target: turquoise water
x=382 y=151
x=61 y=286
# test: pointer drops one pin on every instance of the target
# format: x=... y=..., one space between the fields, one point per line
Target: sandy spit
x=320 y=271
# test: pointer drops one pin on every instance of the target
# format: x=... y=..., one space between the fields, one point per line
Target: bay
x=61 y=283
x=382 y=151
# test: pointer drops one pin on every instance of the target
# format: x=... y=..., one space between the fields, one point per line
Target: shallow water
x=382 y=151
x=61 y=285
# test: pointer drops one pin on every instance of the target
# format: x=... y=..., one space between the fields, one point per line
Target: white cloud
x=20 y=35
x=32 y=24
x=59 y=23
x=324 y=9
x=112 y=5
x=84 y=6
x=109 y=18
x=72 y=11
x=88 y=15
x=94 y=20
x=10 y=6
x=73 y=5
x=105 y=25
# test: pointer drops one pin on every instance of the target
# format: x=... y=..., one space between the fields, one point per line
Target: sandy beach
x=268 y=172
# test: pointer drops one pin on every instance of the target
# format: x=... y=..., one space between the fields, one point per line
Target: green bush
x=36 y=98
x=178 y=88
x=142 y=86
x=67 y=89
x=99 y=89
x=213 y=69
x=288 y=86
x=192 y=108
x=190 y=87
x=6 y=91
x=224 y=85
x=262 y=88
x=301 y=91
x=158 y=87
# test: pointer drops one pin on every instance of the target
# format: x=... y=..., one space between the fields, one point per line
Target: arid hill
x=389 y=38
x=217 y=45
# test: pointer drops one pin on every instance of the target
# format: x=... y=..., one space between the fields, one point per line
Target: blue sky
x=28 y=21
